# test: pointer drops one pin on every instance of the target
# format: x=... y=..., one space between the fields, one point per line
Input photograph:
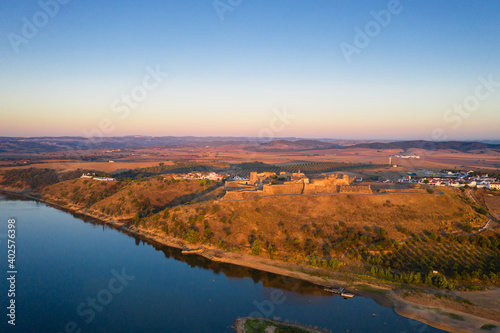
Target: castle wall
x=332 y=184
x=241 y=195
x=310 y=189
x=400 y=190
x=356 y=189
x=334 y=180
x=238 y=184
x=293 y=188
x=253 y=177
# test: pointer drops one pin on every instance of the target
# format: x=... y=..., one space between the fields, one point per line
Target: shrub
x=334 y=263
x=481 y=210
x=488 y=327
x=191 y=236
x=256 y=247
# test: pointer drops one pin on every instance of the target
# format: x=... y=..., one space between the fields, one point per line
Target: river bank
x=442 y=317
x=258 y=324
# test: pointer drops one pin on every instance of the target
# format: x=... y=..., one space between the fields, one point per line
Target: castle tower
x=253 y=177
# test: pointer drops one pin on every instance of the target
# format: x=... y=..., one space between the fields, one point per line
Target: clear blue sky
x=228 y=77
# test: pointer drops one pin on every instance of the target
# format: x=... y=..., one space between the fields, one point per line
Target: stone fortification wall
x=356 y=189
x=320 y=188
x=335 y=183
x=290 y=188
x=241 y=195
x=238 y=184
x=401 y=190
x=335 y=179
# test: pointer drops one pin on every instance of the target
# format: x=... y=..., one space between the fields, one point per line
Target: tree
x=417 y=278
x=382 y=232
x=136 y=219
x=191 y=236
x=271 y=251
x=442 y=283
x=334 y=263
x=428 y=279
x=256 y=248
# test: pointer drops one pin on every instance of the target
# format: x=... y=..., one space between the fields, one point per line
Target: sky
x=389 y=70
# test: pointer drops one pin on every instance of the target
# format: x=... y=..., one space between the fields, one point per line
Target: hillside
x=287 y=145
x=318 y=221
x=126 y=200
x=461 y=146
x=387 y=230
x=33 y=179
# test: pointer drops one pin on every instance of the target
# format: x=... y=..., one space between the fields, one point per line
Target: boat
x=347 y=295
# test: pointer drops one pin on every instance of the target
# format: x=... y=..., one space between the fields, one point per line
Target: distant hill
x=299 y=145
x=430 y=145
x=20 y=145
x=286 y=145
x=51 y=144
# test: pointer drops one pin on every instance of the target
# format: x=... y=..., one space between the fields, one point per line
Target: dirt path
x=471 y=197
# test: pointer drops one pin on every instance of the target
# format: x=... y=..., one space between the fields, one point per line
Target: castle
x=266 y=183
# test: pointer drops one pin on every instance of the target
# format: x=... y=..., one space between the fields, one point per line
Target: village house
x=88 y=175
x=92 y=176
x=494 y=186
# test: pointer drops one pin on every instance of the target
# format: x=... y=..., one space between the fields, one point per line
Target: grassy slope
x=276 y=218
x=272 y=220
x=125 y=199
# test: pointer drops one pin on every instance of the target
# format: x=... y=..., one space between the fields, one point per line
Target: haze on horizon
x=227 y=68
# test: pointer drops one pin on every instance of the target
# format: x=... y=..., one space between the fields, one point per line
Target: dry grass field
x=64 y=166
x=124 y=200
x=493 y=203
x=440 y=159
x=277 y=219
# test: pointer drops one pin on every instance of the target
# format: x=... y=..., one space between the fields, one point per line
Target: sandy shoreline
x=441 y=318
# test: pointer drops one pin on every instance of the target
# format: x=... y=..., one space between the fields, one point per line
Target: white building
x=105 y=179
x=494 y=186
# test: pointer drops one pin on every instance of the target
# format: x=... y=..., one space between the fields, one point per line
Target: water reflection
x=229 y=270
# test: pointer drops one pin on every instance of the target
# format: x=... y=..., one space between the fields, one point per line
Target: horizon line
x=240 y=137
